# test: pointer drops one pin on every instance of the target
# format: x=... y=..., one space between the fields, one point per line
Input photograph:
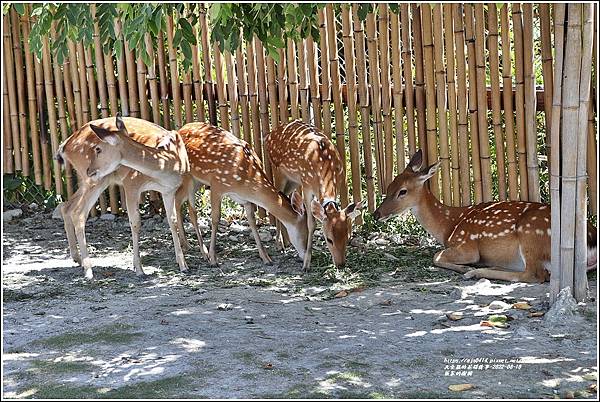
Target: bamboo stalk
x=386 y=104
x=520 y=100
x=419 y=80
x=233 y=94
x=31 y=103
x=546 y=44
x=580 y=280
x=555 y=166
x=337 y=102
x=187 y=96
x=428 y=64
x=272 y=90
x=198 y=92
x=304 y=89
x=533 y=177
x=453 y=122
x=6 y=133
x=208 y=81
x=174 y=73
x=315 y=94
x=363 y=96
x=93 y=93
x=223 y=112
x=292 y=78
x=132 y=87
x=282 y=87
x=9 y=68
x=494 y=63
x=507 y=100
x=83 y=84
x=405 y=23
x=262 y=102
x=164 y=84
x=440 y=80
x=592 y=166
x=142 y=88
x=473 y=102
x=21 y=95
x=325 y=75
x=154 y=94
x=49 y=82
x=463 y=113
x=40 y=94
x=122 y=73
x=484 y=143
x=100 y=67
x=352 y=110
x=243 y=94
x=398 y=93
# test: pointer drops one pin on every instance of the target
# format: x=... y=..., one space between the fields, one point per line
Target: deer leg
x=500 y=274
x=194 y=219
x=281 y=237
x=457 y=258
x=215 y=215
x=249 y=207
x=66 y=212
x=169 y=201
x=179 y=200
x=310 y=221
x=132 y=201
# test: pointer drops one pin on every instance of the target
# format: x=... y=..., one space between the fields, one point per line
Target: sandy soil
x=249 y=330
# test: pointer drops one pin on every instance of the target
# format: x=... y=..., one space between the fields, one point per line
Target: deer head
x=406 y=190
x=337 y=226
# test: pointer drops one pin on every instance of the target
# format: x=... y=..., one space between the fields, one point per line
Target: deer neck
x=438 y=219
x=153 y=162
x=273 y=201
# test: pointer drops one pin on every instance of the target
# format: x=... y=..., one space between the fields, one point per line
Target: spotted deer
x=229 y=166
x=80 y=149
x=301 y=155
x=510 y=238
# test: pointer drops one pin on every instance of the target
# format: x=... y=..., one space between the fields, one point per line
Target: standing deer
x=301 y=155
x=510 y=238
x=83 y=147
x=229 y=166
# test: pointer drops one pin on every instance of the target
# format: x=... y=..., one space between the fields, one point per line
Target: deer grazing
x=84 y=147
x=301 y=155
x=228 y=165
x=511 y=239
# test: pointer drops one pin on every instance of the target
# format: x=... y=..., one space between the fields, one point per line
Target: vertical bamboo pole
x=555 y=165
x=292 y=78
x=255 y=113
x=546 y=45
x=440 y=80
x=114 y=106
x=154 y=94
x=494 y=63
x=31 y=103
x=419 y=80
x=463 y=112
x=40 y=94
x=386 y=104
x=409 y=92
x=533 y=177
x=520 y=100
x=592 y=166
x=198 y=92
x=363 y=97
x=325 y=76
x=49 y=82
x=9 y=68
x=21 y=95
x=581 y=284
x=164 y=84
x=304 y=89
x=337 y=102
x=122 y=73
x=315 y=94
x=262 y=101
x=208 y=80
x=187 y=96
x=174 y=74
x=69 y=93
x=7 y=132
x=223 y=112
x=83 y=84
x=507 y=100
x=398 y=93
x=272 y=89
x=103 y=84
x=429 y=66
x=243 y=93
x=282 y=87
x=451 y=85
x=132 y=87
x=93 y=92
x=233 y=94
x=351 y=90
x=484 y=142
x=142 y=88
x=473 y=102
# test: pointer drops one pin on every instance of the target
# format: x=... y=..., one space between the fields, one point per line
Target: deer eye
x=402 y=192
x=98 y=150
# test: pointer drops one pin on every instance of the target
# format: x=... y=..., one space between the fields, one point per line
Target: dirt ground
x=379 y=328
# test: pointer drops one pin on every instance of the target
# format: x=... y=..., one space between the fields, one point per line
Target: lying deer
x=80 y=149
x=229 y=166
x=301 y=155
x=510 y=238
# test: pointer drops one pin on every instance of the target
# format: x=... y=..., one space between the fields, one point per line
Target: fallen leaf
x=386 y=303
x=455 y=316
x=268 y=366
x=164 y=322
x=108 y=274
x=496 y=320
x=534 y=314
x=460 y=387
x=521 y=306
x=569 y=395
x=593 y=387
x=341 y=293
x=358 y=289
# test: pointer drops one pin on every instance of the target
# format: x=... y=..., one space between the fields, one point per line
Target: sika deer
x=510 y=238
x=79 y=149
x=301 y=155
x=229 y=166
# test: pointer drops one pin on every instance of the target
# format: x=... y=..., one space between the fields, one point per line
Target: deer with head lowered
x=84 y=149
x=511 y=239
x=228 y=165
x=301 y=155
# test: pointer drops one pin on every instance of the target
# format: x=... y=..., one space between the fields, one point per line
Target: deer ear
x=430 y=171
x=297 y=203
x=416 y=161
x=119 y=123
x=317 y=210
x=354 y=210
x=105 y=135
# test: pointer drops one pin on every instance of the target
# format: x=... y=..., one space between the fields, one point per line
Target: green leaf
x=118 y=48
x=214 y=10
x=19 y=8
x=187 y=30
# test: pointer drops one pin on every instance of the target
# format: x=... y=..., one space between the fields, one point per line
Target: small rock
x=223 y=222
x=57 y=212
x=75 y=320
x=33 y=205
x=397 y=239
x=499 y=305
x=234 y=238
x=237 y=228
x=265 y=236
x=357 y=241
x=107 y=217
x=249 y=319
x=225 y=306
x=373 y=235
x=390 y=257
x=563 y=309
x=382 y=242
x=7 y=216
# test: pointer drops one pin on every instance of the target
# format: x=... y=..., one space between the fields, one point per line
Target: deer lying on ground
x=228 y=165
x=80 y=149
x=510 y=238
x=301 y=155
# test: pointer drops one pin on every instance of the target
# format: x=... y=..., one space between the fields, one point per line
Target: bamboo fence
x=429 y=76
